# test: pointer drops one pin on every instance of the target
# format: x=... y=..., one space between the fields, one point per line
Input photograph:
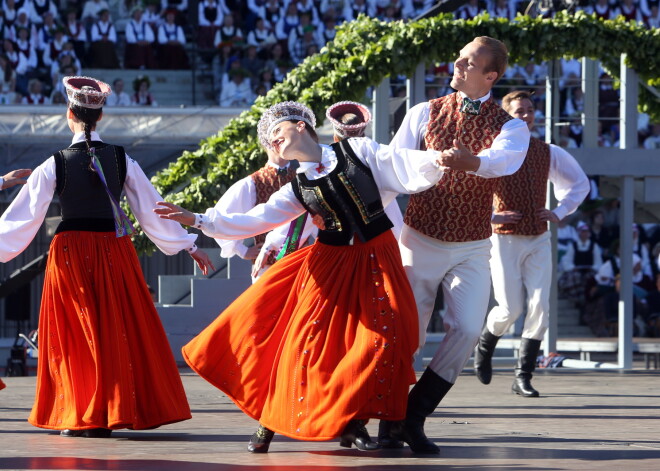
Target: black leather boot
x=72 y=433
x=424 y=397
x=483 y=356
x=385 y=439
x=529 y=350
x=260 y=441
x=97 y=433
x=355 y=433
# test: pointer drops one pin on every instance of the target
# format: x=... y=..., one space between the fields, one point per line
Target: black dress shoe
x=356 y=434
x=260 y=441
x=72 y=433
x=385 y=440
x=97 y=433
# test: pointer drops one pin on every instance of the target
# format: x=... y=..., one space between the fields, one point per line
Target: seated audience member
x=354 y=8
x=67 y=70
x=301 y=38
x=91 y=12
x=414 y=8
x=565 y=234
x=653 y=309
x=502 y=9
x=76 y=33
x=580 y=263
x=103 y=51
x=469 y=10
x=335 y=8
x=261 y=36
x=209 y=19
x=53 y=48
x=287 y=22
x=237 y=92
x=271 y=11
x=142 y=95
x=326 y=31
x=171 y=42
x=8 y=94
x=601 y=234
x=139 y=42
x=653 y=141
x=308 y=6
x=38 y=10
x=24 y=63
x=35 y=94
x=152 y=16
x=229 y=33
x=178 y=7
x=119 y=97
x=57 y=98
x=252 y=63
x=45 y=33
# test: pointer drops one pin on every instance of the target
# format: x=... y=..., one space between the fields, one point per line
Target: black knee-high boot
x=483 y=356
x=424 y=397
x=529 y=350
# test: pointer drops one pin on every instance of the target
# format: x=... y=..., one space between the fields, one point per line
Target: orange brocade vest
x=267 y=181
x=459 y=207
x=525 y=191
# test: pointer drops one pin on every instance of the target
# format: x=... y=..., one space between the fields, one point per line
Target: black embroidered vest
x=347 y=199
x=82 y=194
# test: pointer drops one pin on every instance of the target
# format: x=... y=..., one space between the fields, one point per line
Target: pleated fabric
x=326 y=335
x=104 y=358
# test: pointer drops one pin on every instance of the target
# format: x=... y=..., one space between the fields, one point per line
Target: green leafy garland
x=367 y=50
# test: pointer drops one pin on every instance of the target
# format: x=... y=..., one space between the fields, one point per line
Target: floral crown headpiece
x=336 y=111
x=86 y=91
x=285 y=111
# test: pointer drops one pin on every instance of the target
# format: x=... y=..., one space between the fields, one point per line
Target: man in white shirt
x=15 y=177
x=445 y=239
x=119 y=97
x=521 y=259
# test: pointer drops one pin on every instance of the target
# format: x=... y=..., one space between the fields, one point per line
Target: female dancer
x=324 y=340
x=104 y=360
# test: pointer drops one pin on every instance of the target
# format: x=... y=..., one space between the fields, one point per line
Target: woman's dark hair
x=89 y=117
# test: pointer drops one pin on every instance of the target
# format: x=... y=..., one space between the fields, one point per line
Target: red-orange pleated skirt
x=104 y=358
x=2 y=385
x=326 y=335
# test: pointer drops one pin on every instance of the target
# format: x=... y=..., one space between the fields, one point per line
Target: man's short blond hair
x=498 y=52
x=513 y=96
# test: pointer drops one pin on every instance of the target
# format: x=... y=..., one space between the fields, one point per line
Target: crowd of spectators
x=247 y=45
x=589 y=265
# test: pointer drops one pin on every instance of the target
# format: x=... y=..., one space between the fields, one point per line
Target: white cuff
x=192 y=249
x=199 y=220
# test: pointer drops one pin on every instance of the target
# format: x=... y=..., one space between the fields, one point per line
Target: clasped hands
x=459 y=157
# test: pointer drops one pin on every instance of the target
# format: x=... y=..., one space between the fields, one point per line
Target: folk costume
x=342 y=130
x=326 y=336
x=244 y=195
x=445 y=238
x=104 y=360
x=521 y=257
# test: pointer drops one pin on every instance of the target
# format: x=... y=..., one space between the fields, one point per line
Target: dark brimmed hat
x=336 y=111
x=86 y=91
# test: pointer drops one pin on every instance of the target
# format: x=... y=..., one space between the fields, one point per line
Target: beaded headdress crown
x=343 y=130
x=285 y=111
x=86 y=92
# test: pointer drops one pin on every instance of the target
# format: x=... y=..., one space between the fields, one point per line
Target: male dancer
x=244 y=195
x=521 y=256
x=445 y=238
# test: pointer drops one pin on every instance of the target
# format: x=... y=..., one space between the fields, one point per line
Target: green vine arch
x=367 y=50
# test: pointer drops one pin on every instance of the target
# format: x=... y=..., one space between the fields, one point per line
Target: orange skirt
x=104 y=358
x=325 y=336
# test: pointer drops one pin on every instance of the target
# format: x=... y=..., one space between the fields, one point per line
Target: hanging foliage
x=367 y=50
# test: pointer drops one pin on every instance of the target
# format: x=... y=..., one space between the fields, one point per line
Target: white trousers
x=463 y=270
x=519 y=265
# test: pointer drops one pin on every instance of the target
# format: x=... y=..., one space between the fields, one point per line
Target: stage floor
x=585 y=420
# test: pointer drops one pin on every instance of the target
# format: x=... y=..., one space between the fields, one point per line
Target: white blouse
x=395 y=171
x=22 y=219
